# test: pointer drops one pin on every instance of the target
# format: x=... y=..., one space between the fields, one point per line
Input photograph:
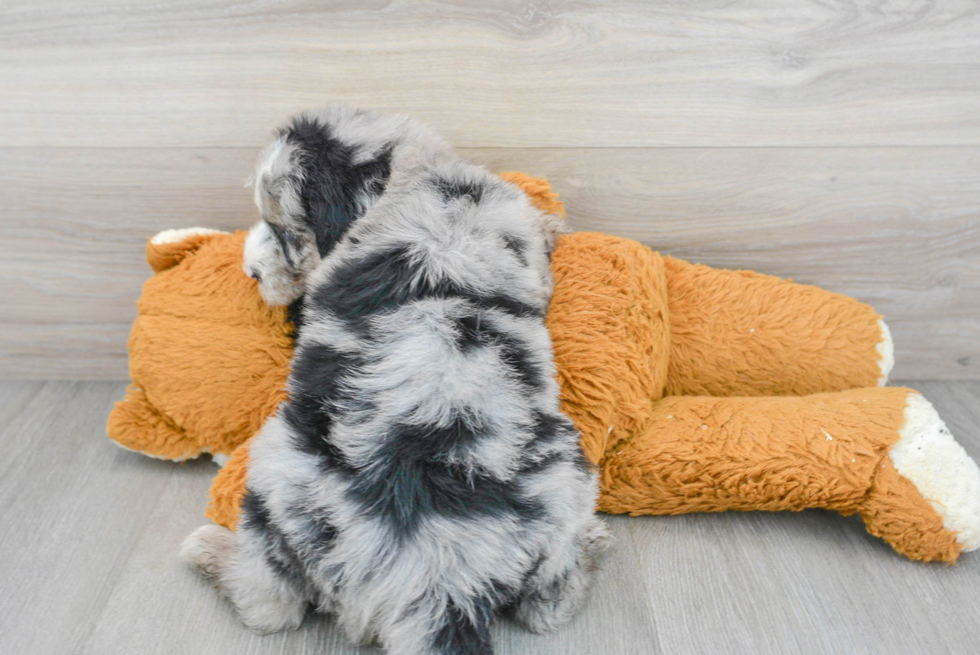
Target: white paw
x=598 y=540
x=945 y=475
x=886 y=353
x=267 y=616
x=208 y=548
x=176 y=236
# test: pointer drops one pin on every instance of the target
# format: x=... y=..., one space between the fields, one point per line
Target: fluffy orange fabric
x=827 y=450
x=208 y=359
x=637 y=336
x=737 y=322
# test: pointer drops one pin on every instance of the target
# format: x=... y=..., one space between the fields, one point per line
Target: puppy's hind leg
x=209 y=548
x=440 y=629
x=266 y=598
x=557 y=589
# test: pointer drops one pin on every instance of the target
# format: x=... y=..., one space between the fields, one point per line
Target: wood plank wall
x=834 y=142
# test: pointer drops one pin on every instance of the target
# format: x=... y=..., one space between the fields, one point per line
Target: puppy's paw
x=596 y=542
x=266 y=616
x=208 y=548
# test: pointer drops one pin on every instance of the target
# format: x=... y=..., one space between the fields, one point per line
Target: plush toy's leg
x=925 y=463
x=739 y=333
x=228 y=489
x=611 y=331
x=881 y=452
x=135 y=424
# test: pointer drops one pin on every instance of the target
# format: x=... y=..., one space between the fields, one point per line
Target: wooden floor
x=88 y=563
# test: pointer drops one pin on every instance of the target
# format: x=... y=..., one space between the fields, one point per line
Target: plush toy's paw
x=925 y=500
x=942 y=471
x=136 y=425
x=886 y=353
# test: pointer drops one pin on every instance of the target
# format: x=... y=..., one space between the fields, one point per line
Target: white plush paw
x=886 y=353
x=942 y=471
x=208 y=548
x=176 y=236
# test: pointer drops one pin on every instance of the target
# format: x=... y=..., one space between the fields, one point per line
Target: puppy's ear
x=170 y=247
x=276 y=181
x=552 y=227
x=539 y=192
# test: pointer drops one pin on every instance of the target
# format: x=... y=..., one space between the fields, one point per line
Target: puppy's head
x=322 y=172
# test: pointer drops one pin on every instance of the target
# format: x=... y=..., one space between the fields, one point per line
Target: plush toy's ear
x=539 y=189
x=168 y=248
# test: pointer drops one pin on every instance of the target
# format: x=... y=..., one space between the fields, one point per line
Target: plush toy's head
x=208 y=359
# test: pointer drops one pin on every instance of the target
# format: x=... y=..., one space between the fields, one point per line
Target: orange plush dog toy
x=695 y=389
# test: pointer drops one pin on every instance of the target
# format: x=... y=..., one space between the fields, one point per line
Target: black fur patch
x=286 y=240
x=317 y=534
x=548 y=430
x=294 y=313
x=432 y=442
x=379 y=282
x=458 y=190
x=470 y=333
x=475 y=331
x=519 y=360
x=279 y=556
x=503 y=303
x=384 y=281
x=409 y=482
x=332 y=181
x=516 y=246
x=318 y=377
x=461 y=635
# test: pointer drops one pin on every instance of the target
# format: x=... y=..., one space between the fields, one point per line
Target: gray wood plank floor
x=88 y=564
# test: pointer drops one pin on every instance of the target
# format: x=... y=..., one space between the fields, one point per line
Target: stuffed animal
x=695 y=389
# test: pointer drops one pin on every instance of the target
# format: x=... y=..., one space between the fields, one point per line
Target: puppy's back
x=423 y=422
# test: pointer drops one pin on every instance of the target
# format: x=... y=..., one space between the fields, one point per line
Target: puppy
x=421 y=476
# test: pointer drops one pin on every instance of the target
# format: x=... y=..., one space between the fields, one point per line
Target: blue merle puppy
x=421 y=477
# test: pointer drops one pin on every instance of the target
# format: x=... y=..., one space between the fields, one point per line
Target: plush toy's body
x=695 y=389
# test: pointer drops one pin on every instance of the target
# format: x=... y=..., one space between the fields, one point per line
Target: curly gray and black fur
x=323 y=170
x=421 y=477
